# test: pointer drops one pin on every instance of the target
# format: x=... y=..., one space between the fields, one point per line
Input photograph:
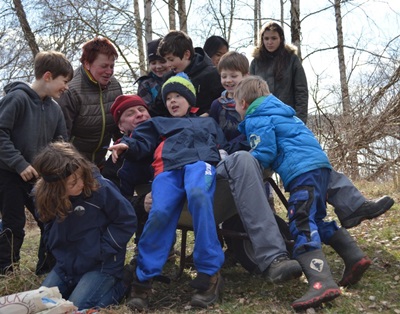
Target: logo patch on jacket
x=254 y=140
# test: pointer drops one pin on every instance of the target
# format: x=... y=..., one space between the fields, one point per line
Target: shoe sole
x=137 y=304
x=357 y=271
x=353 y=222
x=327 y=296
x=218 y=295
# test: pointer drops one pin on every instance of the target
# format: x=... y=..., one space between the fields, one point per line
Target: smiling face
x=177 y=105
x=101 y=69
x=217 y=56
x=132 y=117
x=230 y=79
x=56 y=87
x=177 y=64
x=159 y=67
x=74 y=184
x=271 y=40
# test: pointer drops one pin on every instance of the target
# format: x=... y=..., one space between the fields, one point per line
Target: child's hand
x=29 y=173
x=117 y=150
x=148 y=201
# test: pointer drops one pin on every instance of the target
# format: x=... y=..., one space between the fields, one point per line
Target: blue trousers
x=94 y=289
x=195 y=183
x=307 y=210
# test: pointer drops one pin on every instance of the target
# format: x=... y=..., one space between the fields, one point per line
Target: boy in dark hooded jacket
x=29 y=120
x=177 y=48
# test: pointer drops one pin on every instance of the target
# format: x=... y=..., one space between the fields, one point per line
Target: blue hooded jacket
x=280 y=140
x=94 y=235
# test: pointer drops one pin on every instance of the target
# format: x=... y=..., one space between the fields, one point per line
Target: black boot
x=322 y=287
x=368 y=210
x=355 y=261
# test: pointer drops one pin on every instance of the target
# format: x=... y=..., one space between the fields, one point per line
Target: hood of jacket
x=275 y=107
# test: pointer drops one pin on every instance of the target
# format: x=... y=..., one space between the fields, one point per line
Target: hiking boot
x=322 y=287
x=282 y=269
x=368 y=210
x=208 y=289
x=140 y=292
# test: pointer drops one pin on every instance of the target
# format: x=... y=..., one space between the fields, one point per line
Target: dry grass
x=378 y=291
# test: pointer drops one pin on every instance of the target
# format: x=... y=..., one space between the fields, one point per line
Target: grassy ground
x=377 y=292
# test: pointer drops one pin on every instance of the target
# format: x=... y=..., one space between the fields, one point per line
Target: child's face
x=56 y=87
x=177 y=64
x=230 y=79
x=132 y=117
x=217 y=56
x=177 y=105
x=102 y=69
x=74 y=184
x=159 y=67
x=271 y=40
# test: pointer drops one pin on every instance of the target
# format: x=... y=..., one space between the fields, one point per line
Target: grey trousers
x=343 y=195
x=244 y=174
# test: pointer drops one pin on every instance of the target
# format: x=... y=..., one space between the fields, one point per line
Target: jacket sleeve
x=300 y=90
x=142 y=142
x=70 y=104
x=262 y=141
x=144 y=92
x=121 y=216
x=10 y=155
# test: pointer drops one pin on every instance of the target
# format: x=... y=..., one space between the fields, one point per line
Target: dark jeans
x=14 y=197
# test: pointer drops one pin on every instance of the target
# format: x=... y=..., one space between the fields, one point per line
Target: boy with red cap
x=185 y=151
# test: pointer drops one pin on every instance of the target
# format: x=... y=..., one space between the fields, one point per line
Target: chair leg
x=183 y=252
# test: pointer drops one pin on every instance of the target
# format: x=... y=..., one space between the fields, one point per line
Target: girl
x=88 y=224
x=278 y=64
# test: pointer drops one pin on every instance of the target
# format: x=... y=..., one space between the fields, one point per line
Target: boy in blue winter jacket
x=185 y=150
x=281 y=141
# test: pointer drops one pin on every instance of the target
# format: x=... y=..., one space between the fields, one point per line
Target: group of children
x=88 y=237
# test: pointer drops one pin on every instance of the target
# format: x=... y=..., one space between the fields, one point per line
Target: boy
x=29 y=120
x=280 y=141
x=177 y=48
x=185 y=150
x=150 y=85
x=350 y=205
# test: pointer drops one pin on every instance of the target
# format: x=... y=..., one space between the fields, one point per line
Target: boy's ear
x=186 y=55
x=243 y=104
x=47 y=76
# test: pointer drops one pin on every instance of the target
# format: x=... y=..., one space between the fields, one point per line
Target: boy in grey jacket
x=29 y=120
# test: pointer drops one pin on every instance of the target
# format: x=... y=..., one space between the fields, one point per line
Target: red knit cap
x=124 y=102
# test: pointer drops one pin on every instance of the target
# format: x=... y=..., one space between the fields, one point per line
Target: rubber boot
x=355 y=261
x=322 y=287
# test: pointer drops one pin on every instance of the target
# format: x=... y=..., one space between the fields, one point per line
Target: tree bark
x=28 y=34
x=295 y=25
x=171 y=14
x=139 y=37
x=182 y=15
x=148 y=21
